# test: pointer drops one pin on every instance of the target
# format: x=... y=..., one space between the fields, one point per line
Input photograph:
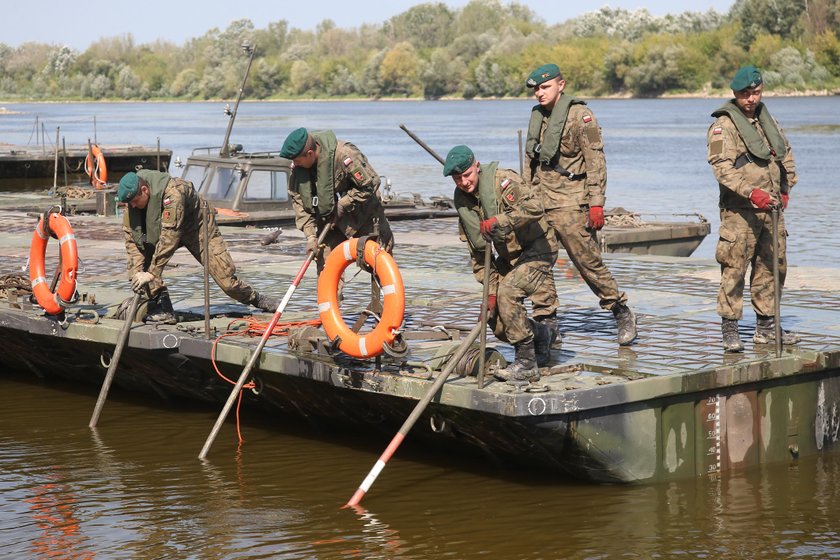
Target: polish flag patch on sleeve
x=348 y=162
x=717 y=130
x=587 y=118
x=167 y=201
x=505 y=183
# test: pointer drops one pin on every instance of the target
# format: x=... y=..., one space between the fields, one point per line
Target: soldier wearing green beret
x=164 y=213
x=565 y=160
x=753 y=163
x=498 y=206
x=332 y=181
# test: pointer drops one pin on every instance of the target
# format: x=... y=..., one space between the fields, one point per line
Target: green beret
x=746 y=77
x=543 y=74
x=458 y=160
x=294 y=144
x=128 y=187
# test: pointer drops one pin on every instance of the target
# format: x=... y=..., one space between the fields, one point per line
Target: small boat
x=638 y=234
x=24 y=166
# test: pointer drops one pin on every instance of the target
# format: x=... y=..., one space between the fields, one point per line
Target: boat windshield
x=221 y=184
x=196 y=174
x=267 y=185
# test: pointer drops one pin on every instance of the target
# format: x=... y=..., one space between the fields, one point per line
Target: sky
x=80 y=24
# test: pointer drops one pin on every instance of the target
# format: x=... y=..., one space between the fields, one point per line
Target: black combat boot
x=543 y=339
x=524 y=368
x=551 y=322
x=161 y=310
x=625 y=320
x=731 y=338
x=266 y=303
x=765 y=332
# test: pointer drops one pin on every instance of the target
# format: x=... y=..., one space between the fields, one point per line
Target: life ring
x=383 y=266
x=95 y=167
x=59 y=227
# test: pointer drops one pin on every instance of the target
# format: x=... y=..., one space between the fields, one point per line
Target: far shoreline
x=695 y=95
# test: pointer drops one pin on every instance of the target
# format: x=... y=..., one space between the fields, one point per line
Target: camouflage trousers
x=746 y=238
x=533 y=280
x=582 y=247
x=221 y=266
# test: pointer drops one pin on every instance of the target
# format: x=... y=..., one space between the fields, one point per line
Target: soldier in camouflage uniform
x=753 y=164
x=565 y=160
x=497 y=205
x=332 y=181
x=164 y=213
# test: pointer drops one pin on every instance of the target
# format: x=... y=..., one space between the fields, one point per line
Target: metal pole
x=55 y=175
x=423 y=145
x=115 y=359
x=225 y=152
x=488 y=253
x=158 y=154
x=521 y=156
x=413 y=417
x=64 y=152
x=777 y=289
x=205 y=219
x=246 y=372
x=95 y=141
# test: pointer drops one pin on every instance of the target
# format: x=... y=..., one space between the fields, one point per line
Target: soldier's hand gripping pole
x=777 y=289
x=115 y=359
x=268 y=330
x=414 y=416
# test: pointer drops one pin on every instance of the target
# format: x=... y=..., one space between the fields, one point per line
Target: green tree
x=400 y=70
x=775 y=17
x=426 y=25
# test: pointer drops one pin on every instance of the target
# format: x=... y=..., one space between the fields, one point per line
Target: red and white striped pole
x=414 y=416
x=266 y=334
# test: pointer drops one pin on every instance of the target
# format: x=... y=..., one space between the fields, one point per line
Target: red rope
x=253 y=327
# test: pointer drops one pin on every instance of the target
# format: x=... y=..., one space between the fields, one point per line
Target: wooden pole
x=266 y=334
x=413 y=417
x=115 y=359
x=777 y=289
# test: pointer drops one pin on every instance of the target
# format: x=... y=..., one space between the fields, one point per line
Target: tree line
x=485 y=49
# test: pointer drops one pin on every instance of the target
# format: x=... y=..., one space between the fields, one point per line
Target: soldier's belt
x=565 y=172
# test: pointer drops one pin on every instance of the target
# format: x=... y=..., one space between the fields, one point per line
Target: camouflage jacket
x=737 y=180
x=180 y=217
x=522 y=233
x=581 y=151
x=356 y=186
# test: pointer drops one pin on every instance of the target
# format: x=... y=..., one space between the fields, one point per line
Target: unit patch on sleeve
x=358 y=175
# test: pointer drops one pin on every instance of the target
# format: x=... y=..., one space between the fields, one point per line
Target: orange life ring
x=59 y=227
x=383 y=265
x=95 y=167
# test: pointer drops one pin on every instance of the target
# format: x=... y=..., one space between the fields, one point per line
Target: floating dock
x=672 y=405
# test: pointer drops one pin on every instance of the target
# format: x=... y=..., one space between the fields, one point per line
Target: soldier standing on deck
x=565 y=158
x=332 y=181
x=496 y=205
x=753 y=164
x=164 y=213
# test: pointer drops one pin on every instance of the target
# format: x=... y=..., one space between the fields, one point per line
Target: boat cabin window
x=222 y=184
x=196 y=174
x=267 y=185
